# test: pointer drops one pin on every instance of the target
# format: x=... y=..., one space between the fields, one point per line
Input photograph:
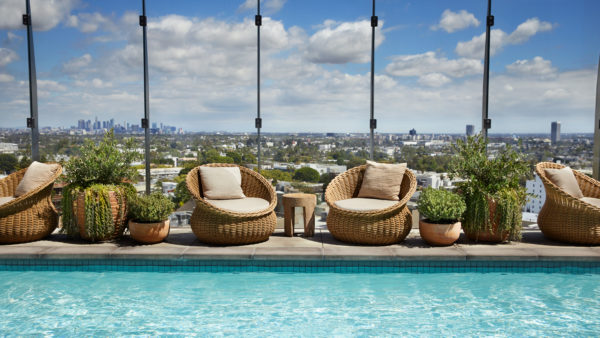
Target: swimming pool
x=269 y=302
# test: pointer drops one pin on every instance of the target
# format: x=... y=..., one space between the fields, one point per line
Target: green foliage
x=181 y=193
x=306 y=174
x=23 y=163
x=102 y=163
x=441 y=206
x=355 y=162
x=99 y=222
x=490 y=181
x=150 y=208
x=8 y=163
x=213 y=156
x=277 y=175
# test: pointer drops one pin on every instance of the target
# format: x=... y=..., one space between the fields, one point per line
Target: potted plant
x=491 y=189
x=94 y=202
x=442 y=210
x=149 y=215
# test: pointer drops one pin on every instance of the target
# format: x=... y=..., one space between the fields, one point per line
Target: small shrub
x=441 y=206
x=150 y=208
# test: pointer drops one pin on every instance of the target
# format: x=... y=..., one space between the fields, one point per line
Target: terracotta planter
x=149 y=233
x=79 y=211
x=439 y=234
x=491 y=235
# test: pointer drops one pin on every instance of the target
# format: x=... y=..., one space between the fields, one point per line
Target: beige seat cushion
x=382 y=181
x=221 y=183
x=565 y=180
x=364 y=204
x=4 y=200
x=241 y=205
x=593 y=201
x=36 y=175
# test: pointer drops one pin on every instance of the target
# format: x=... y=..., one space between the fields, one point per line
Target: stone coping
x=183 y=245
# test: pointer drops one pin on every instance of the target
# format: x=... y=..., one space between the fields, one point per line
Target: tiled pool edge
x=304 y=266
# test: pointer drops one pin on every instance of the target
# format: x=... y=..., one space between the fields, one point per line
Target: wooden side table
x=308 y=202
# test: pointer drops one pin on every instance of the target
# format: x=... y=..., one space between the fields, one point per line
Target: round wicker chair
x=381 y=227
x=217 y=226
x=566 y=218
x=29 y=217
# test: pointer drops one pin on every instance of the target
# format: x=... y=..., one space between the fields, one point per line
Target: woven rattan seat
x=378 y=227
x=214 y=225
x=29 y=217
x=564 y=217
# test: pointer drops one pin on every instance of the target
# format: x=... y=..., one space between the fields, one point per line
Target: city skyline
x=315 y=67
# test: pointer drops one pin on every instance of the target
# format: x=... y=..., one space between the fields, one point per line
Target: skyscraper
x=470 y=130
x=555 y=132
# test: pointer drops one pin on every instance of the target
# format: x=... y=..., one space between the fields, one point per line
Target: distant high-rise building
x=470 y=130
x=412 y=132
x=555 y=132
x=153 y=125
x=81 y=124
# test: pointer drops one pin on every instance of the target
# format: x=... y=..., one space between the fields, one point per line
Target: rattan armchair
x=566 y=218
x=380 y=227
x=29 y=217
x=218 y=226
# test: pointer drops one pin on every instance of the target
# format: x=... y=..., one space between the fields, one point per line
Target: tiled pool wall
x=304 y=266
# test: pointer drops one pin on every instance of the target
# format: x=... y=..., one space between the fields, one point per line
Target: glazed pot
x=439 y=234
x=489 y=235
x=117 y=209
x=149 y=233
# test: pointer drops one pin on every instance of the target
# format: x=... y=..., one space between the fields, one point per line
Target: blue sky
x=315 y=64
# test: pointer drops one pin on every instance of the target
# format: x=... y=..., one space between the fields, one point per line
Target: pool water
x=298 y=304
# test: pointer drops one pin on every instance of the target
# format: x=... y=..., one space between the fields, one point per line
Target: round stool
x=308 y=202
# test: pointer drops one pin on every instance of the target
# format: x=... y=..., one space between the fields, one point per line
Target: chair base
x=28 y=225
x=375 y=230
x=220 y=229
x=569 y=225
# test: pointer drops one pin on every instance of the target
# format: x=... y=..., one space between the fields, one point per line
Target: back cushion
x=36 y=175
x=382 y=181
x=221 y=183
x=565 y=180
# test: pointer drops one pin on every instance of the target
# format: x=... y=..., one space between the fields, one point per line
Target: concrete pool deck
x=183 y=245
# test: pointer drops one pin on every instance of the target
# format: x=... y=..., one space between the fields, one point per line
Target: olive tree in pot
x=442 y=210
x=149 y=215
x=491 y=189
x=94 y=202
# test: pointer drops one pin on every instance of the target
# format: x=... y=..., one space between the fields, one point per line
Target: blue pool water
x=298 y=304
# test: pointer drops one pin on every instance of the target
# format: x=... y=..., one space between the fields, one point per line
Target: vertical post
x=32 y=121
x=486 y=123
x=146 y=119
x=373 y=121
x=258 y=120
x=596 y=170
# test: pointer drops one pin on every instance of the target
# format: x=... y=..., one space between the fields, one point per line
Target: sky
x=315 y=64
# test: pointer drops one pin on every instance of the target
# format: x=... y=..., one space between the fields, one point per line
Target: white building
x=536 y=188
x=8 y=148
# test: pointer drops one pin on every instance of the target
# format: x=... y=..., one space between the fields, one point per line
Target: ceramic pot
x=439 y=234
x=116 y=209
x=149 y=233
x=490 y=235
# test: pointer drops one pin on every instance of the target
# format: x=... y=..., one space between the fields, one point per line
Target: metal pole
x=32 y=121
x=596 y=170
x=146 y=119
x=373 y=121
x=258 y=120
x=486 y=123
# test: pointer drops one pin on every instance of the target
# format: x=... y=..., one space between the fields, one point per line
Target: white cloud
x=434 y=80
x=499 y=39
x=455 y=21
x=7 y=56
x=6 y=78
x=45 y=14
x=344 y=42
x=76 y=64
x=50 y=85
x=534 y=67
x=268 y=6
x=91 y=22
x=429 y=62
